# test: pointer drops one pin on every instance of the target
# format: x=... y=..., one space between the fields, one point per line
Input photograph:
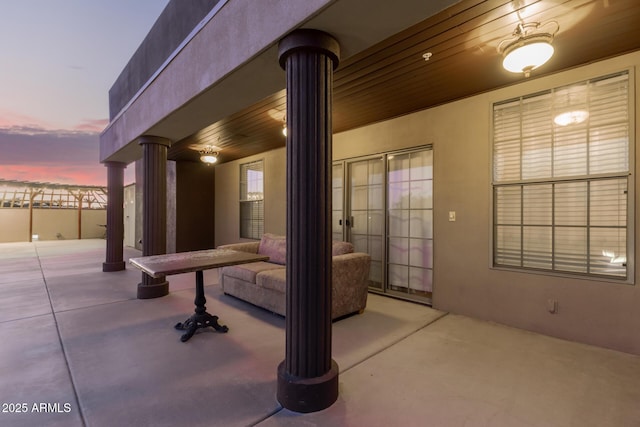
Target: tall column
x=115 y=216
x=154 y=207
x=308 y=377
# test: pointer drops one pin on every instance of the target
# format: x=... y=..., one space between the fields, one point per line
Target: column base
x=153 y=291
x=307 y=394
x=108 y=267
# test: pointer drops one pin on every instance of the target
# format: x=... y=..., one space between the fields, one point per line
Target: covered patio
x=365 y=85
x=77 y=340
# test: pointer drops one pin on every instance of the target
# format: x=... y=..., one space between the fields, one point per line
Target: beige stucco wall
x=47 y=223
x=14 y=224
x=227 y=190
x=591 y=311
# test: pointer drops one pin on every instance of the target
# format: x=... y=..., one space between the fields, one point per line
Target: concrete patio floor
x=78 y=349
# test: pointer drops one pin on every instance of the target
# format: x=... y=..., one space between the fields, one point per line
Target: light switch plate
x=452 y=216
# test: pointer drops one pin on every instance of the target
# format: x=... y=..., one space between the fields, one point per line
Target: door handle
x=348 y=222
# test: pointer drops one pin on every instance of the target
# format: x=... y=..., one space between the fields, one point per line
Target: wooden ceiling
x=392 y=78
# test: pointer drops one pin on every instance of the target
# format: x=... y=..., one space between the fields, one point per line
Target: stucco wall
x=14 y=224
x=591 y=311
x=227 y=193
x=194 y=206
x=51 y=224
x=172 y=26
x=219 y=62
x=130 y=215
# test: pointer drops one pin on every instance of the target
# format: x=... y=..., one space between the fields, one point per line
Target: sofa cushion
x=248 y=272
x=341 y=248
x=275 y=247
x=273 y=279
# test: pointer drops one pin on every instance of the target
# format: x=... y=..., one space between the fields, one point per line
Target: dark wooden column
x=154 y=211
x=115 y=216
x=308 y=377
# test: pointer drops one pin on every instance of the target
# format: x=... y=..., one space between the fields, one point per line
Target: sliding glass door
x=384 y=205
x=410 y=218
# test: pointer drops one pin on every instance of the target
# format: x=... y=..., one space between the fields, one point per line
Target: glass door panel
x=384 y=206
x=337 y=210
x=410 y=216
x=365 y=220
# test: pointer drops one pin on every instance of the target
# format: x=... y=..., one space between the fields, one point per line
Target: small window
x=561 y=179
x=252 y=200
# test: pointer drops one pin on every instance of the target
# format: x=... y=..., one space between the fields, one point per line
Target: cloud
x=92 y=125
x=12 y=122
x=31 y=150
x=33 y=154
x=53 y=146
x=11 y=119
x=87 y=127
x=57 y=174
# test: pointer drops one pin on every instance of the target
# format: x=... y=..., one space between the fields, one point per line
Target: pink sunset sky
x=59 y=59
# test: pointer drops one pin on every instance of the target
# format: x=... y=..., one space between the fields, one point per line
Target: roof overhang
x=231 y=63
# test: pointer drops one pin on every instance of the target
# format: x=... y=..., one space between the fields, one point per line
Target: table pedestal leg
x=201 y=319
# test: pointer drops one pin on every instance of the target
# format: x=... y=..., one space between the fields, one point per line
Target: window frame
x=257 y=229
x=629 y=279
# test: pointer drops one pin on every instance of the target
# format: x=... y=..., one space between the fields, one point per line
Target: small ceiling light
x=284 y=125
x=208 y=156
x=529 y=48
x=571 y=118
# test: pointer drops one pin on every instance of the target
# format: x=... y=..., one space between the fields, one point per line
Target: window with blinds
x=561 y=178
x=252 y=200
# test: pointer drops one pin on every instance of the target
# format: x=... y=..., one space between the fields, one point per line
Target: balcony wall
x=172 y=26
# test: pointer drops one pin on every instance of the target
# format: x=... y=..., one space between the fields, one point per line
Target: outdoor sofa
x=264 y=283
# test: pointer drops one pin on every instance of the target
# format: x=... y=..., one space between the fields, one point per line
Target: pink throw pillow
x=275 y=247
x=341 y=248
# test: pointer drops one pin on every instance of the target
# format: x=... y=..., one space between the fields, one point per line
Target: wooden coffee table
x=196 y=261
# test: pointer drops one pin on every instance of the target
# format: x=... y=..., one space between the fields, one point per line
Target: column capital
x=309 y=40
x=152 y=139
x=114 y=164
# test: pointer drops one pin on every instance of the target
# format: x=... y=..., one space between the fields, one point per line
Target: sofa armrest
x=251 y=247
x=350 y=282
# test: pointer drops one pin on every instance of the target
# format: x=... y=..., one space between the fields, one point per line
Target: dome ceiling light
x=208 y=155
x=529 y=48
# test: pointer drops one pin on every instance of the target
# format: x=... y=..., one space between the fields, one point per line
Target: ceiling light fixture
x=529 y=48
x=208 y=156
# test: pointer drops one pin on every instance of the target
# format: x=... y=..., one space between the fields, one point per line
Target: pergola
x=46 y=195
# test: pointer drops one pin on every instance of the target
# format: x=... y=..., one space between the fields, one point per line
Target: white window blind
x=560 y=178
x=252 y=200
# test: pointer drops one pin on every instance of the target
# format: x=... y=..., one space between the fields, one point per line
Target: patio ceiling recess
x=449 y=56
